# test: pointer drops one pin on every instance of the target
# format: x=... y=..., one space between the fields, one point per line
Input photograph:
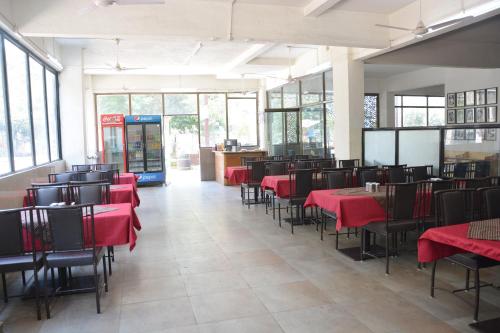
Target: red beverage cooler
x=113 y=140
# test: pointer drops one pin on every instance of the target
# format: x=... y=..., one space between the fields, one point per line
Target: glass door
x=275 y=132
x=182 y=142
x=135 y=148
x=153 y=148
x=312 y=123
x=113 y=146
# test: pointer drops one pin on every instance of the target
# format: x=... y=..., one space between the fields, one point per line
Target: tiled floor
x=204 y=263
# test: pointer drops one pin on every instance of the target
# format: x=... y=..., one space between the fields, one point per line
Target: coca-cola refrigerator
x=113 y=140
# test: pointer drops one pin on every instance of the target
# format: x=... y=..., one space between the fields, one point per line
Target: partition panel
x=420 y=147
x=379 y=147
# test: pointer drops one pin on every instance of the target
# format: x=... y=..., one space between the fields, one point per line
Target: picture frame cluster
x=473 y=106
x=471 y=134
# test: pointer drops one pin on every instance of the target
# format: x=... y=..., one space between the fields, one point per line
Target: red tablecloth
x=279 y=184
x=128 y=178
x=236 y=174
x=437 y=243
x=351 y=210
x=117 y=227
x=125 y=193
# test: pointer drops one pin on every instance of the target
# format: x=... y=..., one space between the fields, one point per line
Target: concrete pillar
x=348 y=86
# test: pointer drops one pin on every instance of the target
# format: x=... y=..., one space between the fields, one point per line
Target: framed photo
x=492 y=114
x=460 y=116
x=469 y=115
x=460 y=99
x=470 y=134
x=480 y=134
x=469 y=98
x=460 y=134
x=480 y=115
x=490 y=134
x=491 y=96
x=450 y=118
x=451 y=100
x=480 y=97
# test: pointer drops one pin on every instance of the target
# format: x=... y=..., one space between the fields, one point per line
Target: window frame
x=426 y=107
x=377 y=125
x=4 y=35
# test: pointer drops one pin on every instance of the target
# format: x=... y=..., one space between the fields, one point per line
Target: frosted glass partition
x=419 y=147
x=380 y=147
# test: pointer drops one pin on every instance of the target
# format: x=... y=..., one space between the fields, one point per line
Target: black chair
x=390 y=166
x=111 y=176
x=81 y=167
x=256 y=171
x=300 y=157
x=18 y=250
x=88 y=193
x=354 y=163
x=245 y=159
x=396 y=175
x=47 y=195
x=323 y=164
x=303 y=164
x=455 y=207
x=368 y=175
x=420 y=173
x=428 y=202
x=105 y=166
x=275 y=158
x=71 y=244
x=301 y=184
x=401 y=216
x=490 y=199
x=274 y=169
x=94 y=176
x=63 y=177
x=482 y=169
x=460 y=170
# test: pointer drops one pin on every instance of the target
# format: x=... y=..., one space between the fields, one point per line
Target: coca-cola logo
x=112 y=119
x=137 y=118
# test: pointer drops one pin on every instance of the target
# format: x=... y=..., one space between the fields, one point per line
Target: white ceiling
x=377 y=71
x=373 y=6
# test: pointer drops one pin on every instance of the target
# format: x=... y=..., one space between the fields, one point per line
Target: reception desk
x=224 y=159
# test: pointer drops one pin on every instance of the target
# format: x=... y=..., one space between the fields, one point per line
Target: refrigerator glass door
x=113 y=146
x=153 y=148
x=135 y=148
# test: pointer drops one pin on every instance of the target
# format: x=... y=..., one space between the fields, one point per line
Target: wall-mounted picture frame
x=460 y=99
x=470 y=98
x=460 y=116
x=480 y=115
x=451 y=103
x=469 y=115
x=491 y=96
x=490 y=134
x=460 y=134
x=450 y=116
x=491 y=114
x=481 y=97
x=480 y=134
x=470 y=134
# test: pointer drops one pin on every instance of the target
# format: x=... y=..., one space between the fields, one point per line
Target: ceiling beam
x=265 y=61
x=318 y=7
x=251 y=53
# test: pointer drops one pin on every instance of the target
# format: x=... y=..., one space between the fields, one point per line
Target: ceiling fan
x=108 y=3
x=421 y=29
x=290 y=78
x=116 y=66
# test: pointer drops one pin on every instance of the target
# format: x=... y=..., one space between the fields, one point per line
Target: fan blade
x=392 y=27
x=132 y=68
x=140 y=2
x=447 y=23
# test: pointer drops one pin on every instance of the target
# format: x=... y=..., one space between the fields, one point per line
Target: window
x=212 y=119
x=330 y=120
x=146 y=104
x=312 y=130
x=291 y=95
x=419 y=111
x=51 y=85
x=242 y=120
x=329 y=85
x=4 y=133
x=371 y=111
x=110 y=104
x=17 y=78
x=39 y=112
x=312 y=89
x=181 y=104
x=274 y=98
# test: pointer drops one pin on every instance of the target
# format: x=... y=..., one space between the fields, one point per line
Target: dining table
x=128 y=178
x=280 y=185
x=236 y=175
x=124 y=193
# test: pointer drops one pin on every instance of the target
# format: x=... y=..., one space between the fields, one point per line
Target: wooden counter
x=224 y=159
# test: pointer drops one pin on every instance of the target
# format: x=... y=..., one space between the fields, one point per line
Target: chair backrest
x=429 y=189
x=490 y=198
x=63 y=177
x=81 y=167
x=86 y=194
x=11 y=230
x=275 y=158
x=300 y=157
x=482 y=169
x=337 y=179
x=69 y=226
x=111 y=176
x=303 y=164
x=472 y=183
x=460 y=170
x=47 y=195
x=401 y=201
x=419 y=173
x=368 y=175
x=396 y=175
x=105 y=167
x=390 y=166
x=93 y=176
x=454 y=206
x=323 y=163
x=301 y=182
x=256 y=171
x=276 y=168
x=348 y=163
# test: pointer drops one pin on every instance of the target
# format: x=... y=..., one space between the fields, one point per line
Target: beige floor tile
x=146 y=290
x=213 y=282
x=260 y=324
x=204 y=265
x=259 y=276
x=254 y=258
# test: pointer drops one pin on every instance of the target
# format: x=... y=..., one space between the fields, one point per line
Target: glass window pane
x=180 y=104
x=291 y=95
x=39 y=114
x=274 y=98
x=329 y=85
x=312 y=131
x=146 y=104
x=110 y=104
x=398 y=117
x=436 y=101
x=4 y=134
x=17 y=73
x=212 y=119
x=414 y=117
x=242 y=95
x=397 y=100
x=414 y=101
x=50 y=80
x=312 y=89
x=437 y=117
x=380 y=148
x=275 y=132
x=371 y=111
x=420 y=147
x=242 y=117
x=330 y=119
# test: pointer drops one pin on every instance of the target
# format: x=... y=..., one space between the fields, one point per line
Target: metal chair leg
x=109 y=262
x=45 y=292
x=279 y=214
x=291 y=218
x=105 y=273
x=467 y=278
x=478 y=288
x=96 y=283
x=387 y=254
x=433 y=277
x=37 y=294
x=23 y=275
x=4 y=285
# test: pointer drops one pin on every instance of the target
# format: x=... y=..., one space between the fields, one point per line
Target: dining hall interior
x=246 y=165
